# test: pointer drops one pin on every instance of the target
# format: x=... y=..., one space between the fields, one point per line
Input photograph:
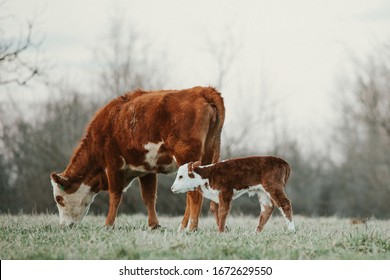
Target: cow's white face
x=72 y=207
x=186 y=181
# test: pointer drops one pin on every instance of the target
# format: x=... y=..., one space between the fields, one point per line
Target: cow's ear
x=62 y=182
x=197 y=164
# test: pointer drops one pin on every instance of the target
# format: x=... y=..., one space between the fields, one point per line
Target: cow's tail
x=213 y=139
x=288 y=171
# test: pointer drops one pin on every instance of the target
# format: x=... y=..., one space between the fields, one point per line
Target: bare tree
x=252 y=111
x=32 y=148
x=363 y=136
x=19 y=60
x=126 y=61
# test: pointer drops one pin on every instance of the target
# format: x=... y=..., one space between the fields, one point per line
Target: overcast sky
x=295 y=51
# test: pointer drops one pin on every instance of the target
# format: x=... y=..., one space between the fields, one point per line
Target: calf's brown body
x=265 y=175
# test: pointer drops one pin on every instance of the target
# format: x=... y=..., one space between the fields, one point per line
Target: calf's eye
x=180 y=177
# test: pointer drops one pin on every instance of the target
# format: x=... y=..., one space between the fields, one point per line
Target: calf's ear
x=190 y=167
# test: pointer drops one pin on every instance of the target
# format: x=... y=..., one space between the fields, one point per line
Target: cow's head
x=73 y=199
x=187 y=179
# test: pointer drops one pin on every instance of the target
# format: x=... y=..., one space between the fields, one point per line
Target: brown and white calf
x=225 y=181
x=140 y=134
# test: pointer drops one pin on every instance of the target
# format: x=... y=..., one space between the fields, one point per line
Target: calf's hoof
x=259 y=229
x=291 y=226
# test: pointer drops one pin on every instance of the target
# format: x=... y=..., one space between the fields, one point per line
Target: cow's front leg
x=115 y=199
x=115 y=189
x=148 y=193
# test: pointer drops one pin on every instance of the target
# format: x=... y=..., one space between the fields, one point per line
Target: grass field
x=40 y=237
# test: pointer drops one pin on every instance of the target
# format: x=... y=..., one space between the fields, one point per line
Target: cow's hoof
x=155 y=227
x=192 y=230
x=108 y=227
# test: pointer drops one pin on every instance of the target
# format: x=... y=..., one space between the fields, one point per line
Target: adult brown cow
x=140 y=134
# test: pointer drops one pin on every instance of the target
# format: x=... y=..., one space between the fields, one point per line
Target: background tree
x=36 y=148
x=126 y=61
x=32 y=148
x=363 y=137
x=19 y=55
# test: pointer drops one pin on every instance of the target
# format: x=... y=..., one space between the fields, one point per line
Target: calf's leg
x=283 y=203
x=266 y=207
x=214 y=209
x=223 y=210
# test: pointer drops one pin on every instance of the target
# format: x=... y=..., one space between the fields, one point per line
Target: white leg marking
x=264 y=199
x=290 y=224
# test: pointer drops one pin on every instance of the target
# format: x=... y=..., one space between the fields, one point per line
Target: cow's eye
x=180 y=177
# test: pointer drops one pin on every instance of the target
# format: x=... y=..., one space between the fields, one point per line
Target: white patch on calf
x=208 y=165
x=183 y=183
x=290 y=224
x=251 y=191
x=264 y=200
x=238 y=193
x=210 y=193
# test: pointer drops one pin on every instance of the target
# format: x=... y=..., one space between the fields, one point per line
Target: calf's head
x=73 y=199
x=187 y=179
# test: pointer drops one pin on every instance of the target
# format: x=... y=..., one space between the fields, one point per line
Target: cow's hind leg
x=148 y=193
x=192 y=212
x=186 y=216
x=187 y=151
x=196 y=199
x=266 y=207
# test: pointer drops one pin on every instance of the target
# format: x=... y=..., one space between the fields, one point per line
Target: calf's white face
x=186 y=181
x=72 y=207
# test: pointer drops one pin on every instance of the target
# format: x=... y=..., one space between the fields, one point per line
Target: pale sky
x=295 y=51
